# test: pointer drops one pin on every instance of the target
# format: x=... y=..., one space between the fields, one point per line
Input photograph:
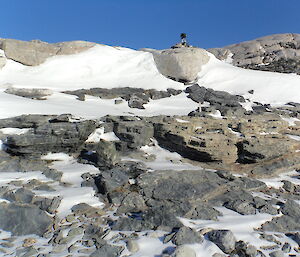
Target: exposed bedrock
x=36 y=52
x=278 y=52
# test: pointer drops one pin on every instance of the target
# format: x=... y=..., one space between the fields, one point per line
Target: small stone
x=75 y=232
x=70 y=218
x=286 y=247
x=132 y=246
x=288 y=186
x=29 y=242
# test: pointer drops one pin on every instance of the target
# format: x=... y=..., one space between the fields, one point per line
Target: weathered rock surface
x=135 y=97
x=24 y=219
x=36 y=52
x=278 y=52
x=33 y=93
x=181 y=64
x=56 y=135
x=224 y=239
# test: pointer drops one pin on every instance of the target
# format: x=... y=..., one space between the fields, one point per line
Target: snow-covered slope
x=269 y=87
x=113 y=67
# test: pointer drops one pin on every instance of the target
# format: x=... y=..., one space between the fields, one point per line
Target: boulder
x=36 y=52
x=224 y=239
x=186 y=235
x=181 y=64
x=24 y=219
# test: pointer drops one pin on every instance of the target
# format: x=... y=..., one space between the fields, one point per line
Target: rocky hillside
x=277 y=53
x=101 y=154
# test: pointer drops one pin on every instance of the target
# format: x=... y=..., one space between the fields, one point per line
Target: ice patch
x=14 y=131
x=99 y=134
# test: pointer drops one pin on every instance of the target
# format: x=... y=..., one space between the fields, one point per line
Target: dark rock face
x=56 y=135
x=24 y=219
x=136 y=97
x=220 y=100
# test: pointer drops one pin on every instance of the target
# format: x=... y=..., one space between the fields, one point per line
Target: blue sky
x=148 y=23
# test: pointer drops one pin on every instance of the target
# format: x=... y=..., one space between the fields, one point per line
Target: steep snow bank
x=269 y=87
x=100 y=66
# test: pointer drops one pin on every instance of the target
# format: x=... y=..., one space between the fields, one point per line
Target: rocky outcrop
x=32 y=93
x=279 y=53
x=135 y=97
x=181 y=64
x=36 y=52
x=56 y=135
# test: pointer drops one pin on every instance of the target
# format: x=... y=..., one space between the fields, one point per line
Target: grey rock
x=136 y=97
x=179 y=185
x=288 y=186
x=184 y=251
x=286 y=248
x=36 y=52
x=224 y=239
x=203 y=211
x=25 y=121
x=244 y=250
x=47 y=204
x=182 y=64
x=186 y=235
x=295 y=236
x=132 y=246
x=133 y=202
x=276 y=254
x=33 y=93
x=132 y=133
x=107 y=251
x=221 y=100
x=242 y=207
x=111 y=180
x=23 y=219
x=21 y=195
x=53 y=136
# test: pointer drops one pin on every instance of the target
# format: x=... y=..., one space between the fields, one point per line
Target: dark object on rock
x=24 y=219
x=224 y=239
